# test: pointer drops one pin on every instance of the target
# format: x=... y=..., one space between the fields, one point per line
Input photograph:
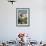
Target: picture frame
x=22 y=17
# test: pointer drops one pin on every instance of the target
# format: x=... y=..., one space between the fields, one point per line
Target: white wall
x=37 y=29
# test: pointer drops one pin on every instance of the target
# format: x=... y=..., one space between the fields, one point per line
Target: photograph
x=22 y=16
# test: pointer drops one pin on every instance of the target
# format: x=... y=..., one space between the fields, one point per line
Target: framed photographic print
x=22 y=17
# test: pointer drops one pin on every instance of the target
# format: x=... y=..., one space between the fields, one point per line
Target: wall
x=37 y=29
